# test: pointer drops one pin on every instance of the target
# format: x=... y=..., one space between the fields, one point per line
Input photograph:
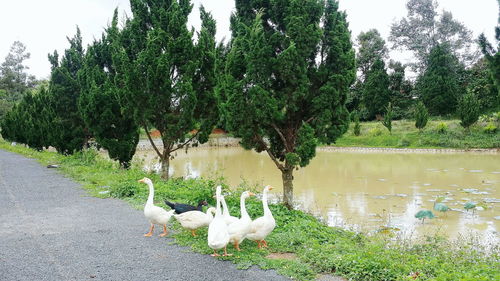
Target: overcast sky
x=43 y=25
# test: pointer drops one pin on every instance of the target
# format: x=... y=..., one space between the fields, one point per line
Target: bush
x=357 y=126
x=421 y=116
x=490 y=128
x=442 y=128
x=468 y=110
x=387 y=122
x=376 y=132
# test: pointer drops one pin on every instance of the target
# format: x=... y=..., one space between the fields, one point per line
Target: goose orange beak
x=271 y=188
x=141 y=180
x=251 y=193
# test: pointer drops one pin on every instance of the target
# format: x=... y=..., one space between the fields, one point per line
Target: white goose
x=155 y=214
x=218 y=236
x=240 y=228
x=261 y=227
x=227 y=217
x=193 y=220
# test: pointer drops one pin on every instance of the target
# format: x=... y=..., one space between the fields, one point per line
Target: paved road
x=50 y=229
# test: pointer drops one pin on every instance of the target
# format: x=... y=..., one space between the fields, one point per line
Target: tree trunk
x=165 y=165
x=287 y=176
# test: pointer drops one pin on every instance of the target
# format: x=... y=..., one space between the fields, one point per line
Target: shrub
x=490 y=128
x=421 y=116
x=468 y=110
x=376 y=132
x=442 y=128
x=357 y=126
x=387 y=122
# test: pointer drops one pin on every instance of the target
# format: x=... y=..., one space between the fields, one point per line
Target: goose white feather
x=227 y=216
x=240 y=228
x=218 y=235
x=261 y=227
x=193 y=220
x=155 y=214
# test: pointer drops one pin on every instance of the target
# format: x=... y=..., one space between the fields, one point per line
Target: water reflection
x=365 y=191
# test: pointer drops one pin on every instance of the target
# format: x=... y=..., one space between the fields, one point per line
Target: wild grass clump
x=317 y=247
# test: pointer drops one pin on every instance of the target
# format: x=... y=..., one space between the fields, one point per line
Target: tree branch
x=151 y=141
x=263 y=143
x=186 y=142
x=281 y=135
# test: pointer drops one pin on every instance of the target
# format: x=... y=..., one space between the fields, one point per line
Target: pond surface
x=369 y=191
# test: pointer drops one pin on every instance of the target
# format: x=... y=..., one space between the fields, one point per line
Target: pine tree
x=99 y=103
x=468 y=110
x=68 y=133
x=439 y=86
x=376 y=93
x=387 y=122
x=287 y=80
x=168 y=79
x=421 y=116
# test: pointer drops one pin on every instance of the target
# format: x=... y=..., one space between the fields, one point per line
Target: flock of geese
x=222 y=228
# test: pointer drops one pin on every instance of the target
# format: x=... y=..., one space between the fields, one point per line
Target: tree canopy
x=288 y=73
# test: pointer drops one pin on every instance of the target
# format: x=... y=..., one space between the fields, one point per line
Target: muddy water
x=369 y=191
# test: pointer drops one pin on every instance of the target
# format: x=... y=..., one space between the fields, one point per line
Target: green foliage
x=439 y=86
x=376 y=132
x=376 y=93
x=480 y=82
x=468 y=110
x=387 y=122
x=421 y=116
x=401 y=91
x=423 y=29
x=404 y=142
x=67 y=131
x=371 y=48
x=168 y=81
x=274 y=86
x=99 y=103
x=442 y=128
x=357 y=125
x=490 y=128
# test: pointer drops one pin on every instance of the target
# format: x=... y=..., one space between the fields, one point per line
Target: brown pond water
x=369 y=191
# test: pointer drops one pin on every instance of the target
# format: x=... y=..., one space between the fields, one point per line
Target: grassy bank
x=437 y=134
x=316 y=247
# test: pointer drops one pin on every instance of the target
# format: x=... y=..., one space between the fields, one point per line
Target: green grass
x=319 y=248
x=405 y=135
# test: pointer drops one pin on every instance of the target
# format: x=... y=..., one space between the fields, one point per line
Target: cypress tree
x=387 y=122
x=168 y=79
x=99 y=103
x=421 y=116
x=468 y=110
x=288 y=73
x=439 y=86
x=68 y=133
x=376 y=93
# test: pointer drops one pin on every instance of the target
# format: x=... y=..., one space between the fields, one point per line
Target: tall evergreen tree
x=401 y=90
x=493 y=56
x=376 y=93
x=424 y=28
x=421 y=116
x=15 y=82
x=439 y=85
x=468 y=110
x=68 y=132
x=371 y=48
x=168 y=79
x=99 y=103
x=288 y=73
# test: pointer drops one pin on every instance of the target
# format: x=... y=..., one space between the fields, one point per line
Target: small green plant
x=357 y=126
x=442 y=128
x=387 y=122
x=376 y=132
x=404 y=142
x=421 y=116
x=490 y=128
x=468 y=110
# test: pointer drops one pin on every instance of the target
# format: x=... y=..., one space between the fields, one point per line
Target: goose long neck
x=217 y=210
x=267 y=212
x=243 y=208
x=151 y=194
x=226 y=210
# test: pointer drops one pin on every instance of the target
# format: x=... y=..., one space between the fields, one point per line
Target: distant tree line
x=285 y=82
